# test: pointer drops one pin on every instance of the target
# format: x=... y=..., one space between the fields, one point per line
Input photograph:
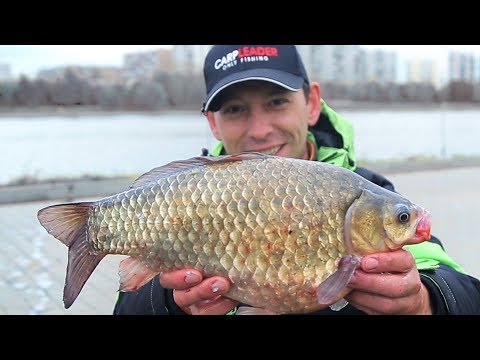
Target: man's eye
x=278 y=101
x=232 y=109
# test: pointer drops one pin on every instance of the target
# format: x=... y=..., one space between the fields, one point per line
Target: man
x=259 y=98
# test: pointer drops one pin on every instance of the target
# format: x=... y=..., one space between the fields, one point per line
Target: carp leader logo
x=245 y=54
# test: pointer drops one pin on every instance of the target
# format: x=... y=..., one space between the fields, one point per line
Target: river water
x=131 y=144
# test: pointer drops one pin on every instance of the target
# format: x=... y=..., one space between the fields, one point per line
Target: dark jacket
x=451 y=291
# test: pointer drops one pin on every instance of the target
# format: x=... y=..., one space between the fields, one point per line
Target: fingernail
x=192 y=278
x=218 y=286
x=371 y=264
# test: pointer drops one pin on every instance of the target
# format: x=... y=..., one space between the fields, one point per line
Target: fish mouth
x=422 y=231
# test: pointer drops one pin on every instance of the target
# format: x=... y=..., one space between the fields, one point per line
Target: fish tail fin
x=68 y=223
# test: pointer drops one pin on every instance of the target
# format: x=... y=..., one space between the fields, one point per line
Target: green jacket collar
x=333 y=136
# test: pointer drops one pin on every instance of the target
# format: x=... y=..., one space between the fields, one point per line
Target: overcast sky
x=426 y=51
x=28 y=59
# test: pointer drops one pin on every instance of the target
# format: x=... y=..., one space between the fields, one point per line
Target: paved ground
x=33 y=263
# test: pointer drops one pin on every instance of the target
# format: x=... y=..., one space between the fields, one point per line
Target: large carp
x=288 y=233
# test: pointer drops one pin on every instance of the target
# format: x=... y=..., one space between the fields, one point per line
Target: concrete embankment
x=63 y=190
x=388 y=167
x=66 y=190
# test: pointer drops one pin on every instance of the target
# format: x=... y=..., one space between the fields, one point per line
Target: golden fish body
x=276 y=227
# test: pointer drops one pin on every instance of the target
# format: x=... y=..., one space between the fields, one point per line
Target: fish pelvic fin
x=330 y=290
x=134 y=274
x=68 y=223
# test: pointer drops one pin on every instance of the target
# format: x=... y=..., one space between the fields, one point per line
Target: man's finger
x=387 y=285
x=219 y=306
x=398 y=261
x=208 y=289
x=180 y=279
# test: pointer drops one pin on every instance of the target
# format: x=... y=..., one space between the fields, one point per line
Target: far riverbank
x=338 y=105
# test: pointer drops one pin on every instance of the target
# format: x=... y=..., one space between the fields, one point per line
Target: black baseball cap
x=229 y=64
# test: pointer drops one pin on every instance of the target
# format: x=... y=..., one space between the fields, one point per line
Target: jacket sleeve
x=452 y=292
x=150 y=299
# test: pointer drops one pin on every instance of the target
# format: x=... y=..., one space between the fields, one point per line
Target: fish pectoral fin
x=247 y=310
x=134 y=274
x=328 y=291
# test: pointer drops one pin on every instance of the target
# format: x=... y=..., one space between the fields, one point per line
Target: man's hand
x=389 y=283
x=198 y=296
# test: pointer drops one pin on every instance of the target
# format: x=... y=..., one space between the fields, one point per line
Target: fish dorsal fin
x=178 y=166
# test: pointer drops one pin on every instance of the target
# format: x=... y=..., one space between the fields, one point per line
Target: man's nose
x=259 y=125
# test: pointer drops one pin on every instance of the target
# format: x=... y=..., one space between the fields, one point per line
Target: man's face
x=261 y=116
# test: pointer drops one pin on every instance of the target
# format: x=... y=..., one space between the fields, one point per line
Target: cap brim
x=286 y=80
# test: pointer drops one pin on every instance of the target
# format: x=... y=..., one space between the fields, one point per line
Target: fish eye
x=403 y=215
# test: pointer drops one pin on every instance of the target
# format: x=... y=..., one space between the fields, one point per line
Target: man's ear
x=314 y=103
x=213 y=124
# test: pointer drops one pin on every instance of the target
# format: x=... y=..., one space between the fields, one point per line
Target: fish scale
x=274 y=226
